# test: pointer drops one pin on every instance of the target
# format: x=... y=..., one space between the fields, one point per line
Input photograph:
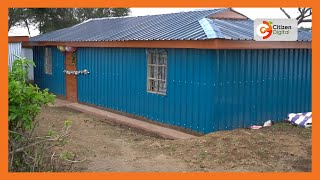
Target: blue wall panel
x=55 y=82
x=253 y=86
x=118 y=80
x=207 y=90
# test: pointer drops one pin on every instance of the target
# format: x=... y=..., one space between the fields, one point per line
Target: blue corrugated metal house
x=199 y=70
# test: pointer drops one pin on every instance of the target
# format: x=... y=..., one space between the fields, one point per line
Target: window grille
x=157 y=71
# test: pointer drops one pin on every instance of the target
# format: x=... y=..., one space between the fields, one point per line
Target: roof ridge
x=207 y=28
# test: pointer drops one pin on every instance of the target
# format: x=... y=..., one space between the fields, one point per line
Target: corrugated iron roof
x=243 y=29
x=304 y=35
x=232 y=29
x=174 y=26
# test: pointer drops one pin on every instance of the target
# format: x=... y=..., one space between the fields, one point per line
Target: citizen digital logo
x=275 y=30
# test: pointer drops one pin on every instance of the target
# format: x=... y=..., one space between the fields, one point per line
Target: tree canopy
x=50 y=19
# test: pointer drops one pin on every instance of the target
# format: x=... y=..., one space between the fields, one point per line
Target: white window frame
x=159 y=69
x=48 y=61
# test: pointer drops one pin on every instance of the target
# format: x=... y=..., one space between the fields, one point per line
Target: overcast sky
x=252 y=13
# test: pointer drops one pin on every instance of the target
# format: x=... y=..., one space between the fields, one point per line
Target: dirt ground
x=110 y=147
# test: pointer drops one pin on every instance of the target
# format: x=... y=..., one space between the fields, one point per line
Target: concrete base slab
x=131 y=122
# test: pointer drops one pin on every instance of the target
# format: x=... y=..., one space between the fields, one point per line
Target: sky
x=252 y=13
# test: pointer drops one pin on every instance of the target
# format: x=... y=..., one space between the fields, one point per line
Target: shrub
x=28 y=153
x=25 y=100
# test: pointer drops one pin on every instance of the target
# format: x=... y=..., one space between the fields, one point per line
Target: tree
x=19 y=17
x=304 y=13
x=14 y=17
x=83 y=14
x=50 y=19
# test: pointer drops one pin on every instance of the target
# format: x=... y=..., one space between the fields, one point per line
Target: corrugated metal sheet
x=118 y=80
x=175 y=26
x=182 y=26
x=243 y=29
x=232 y=29
x=15 y=49
x=208 y=90
x=304 y=35
x=253 y=86
x=55 y=82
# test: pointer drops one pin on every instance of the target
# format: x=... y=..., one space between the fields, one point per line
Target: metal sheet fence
x=13 y=49
x=16 y=49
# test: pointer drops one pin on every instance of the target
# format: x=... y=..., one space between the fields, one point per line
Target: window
x=157 y=71
x=48 y=61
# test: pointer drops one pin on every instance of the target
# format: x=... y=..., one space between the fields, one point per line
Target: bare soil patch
x=111 y=147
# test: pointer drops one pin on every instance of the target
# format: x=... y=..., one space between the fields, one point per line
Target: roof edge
x=18 y=39
x=189 y=44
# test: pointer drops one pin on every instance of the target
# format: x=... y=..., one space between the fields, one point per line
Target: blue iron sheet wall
x=253 y=86
x=208 y=90
x=55 y=82
x=118 y=80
